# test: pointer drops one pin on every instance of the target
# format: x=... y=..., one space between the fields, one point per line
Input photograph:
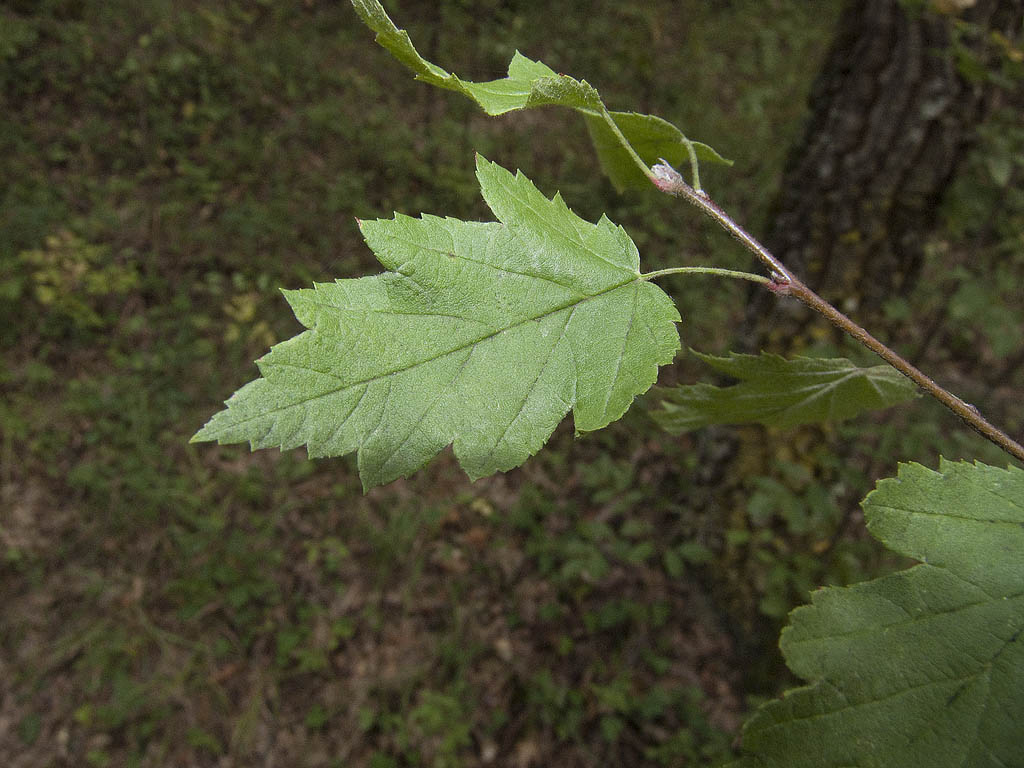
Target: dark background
x=166 y=166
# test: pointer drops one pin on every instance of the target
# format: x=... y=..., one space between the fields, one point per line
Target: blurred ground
x=168 y=166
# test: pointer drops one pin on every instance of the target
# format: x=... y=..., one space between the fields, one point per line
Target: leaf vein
x=462 y=257
x=622 y=353
x=423 y=415
x=530 y=390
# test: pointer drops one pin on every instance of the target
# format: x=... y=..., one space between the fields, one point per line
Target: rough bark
x=891 y=116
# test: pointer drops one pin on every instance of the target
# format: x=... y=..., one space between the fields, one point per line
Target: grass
x=166 y=168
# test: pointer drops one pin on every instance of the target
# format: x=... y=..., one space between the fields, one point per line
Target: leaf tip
x=482 y=162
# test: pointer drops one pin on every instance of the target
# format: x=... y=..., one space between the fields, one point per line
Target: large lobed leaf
x=484 y=336
x=924 y=667
x=782 y=393
x=533 y=84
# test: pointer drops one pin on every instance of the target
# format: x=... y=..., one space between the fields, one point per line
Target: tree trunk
x=891 y=116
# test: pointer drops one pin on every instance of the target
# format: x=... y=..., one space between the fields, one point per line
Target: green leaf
x=782 y=393
x=483 y=335
x=533 y=84
x=529 y=83
x=924 y=667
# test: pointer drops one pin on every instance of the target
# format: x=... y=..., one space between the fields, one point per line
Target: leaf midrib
x=370 y=379
x=791 y=399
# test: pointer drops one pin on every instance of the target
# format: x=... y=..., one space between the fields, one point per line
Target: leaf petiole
x=694 y=166
x=731 y=273
x=617 y=132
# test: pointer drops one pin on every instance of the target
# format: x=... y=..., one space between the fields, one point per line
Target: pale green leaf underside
x=924 y=667
x=483 y=335
x=533 y=84
x=782 y=393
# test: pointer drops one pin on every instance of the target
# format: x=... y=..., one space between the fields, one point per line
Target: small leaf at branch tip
x=629 y=138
